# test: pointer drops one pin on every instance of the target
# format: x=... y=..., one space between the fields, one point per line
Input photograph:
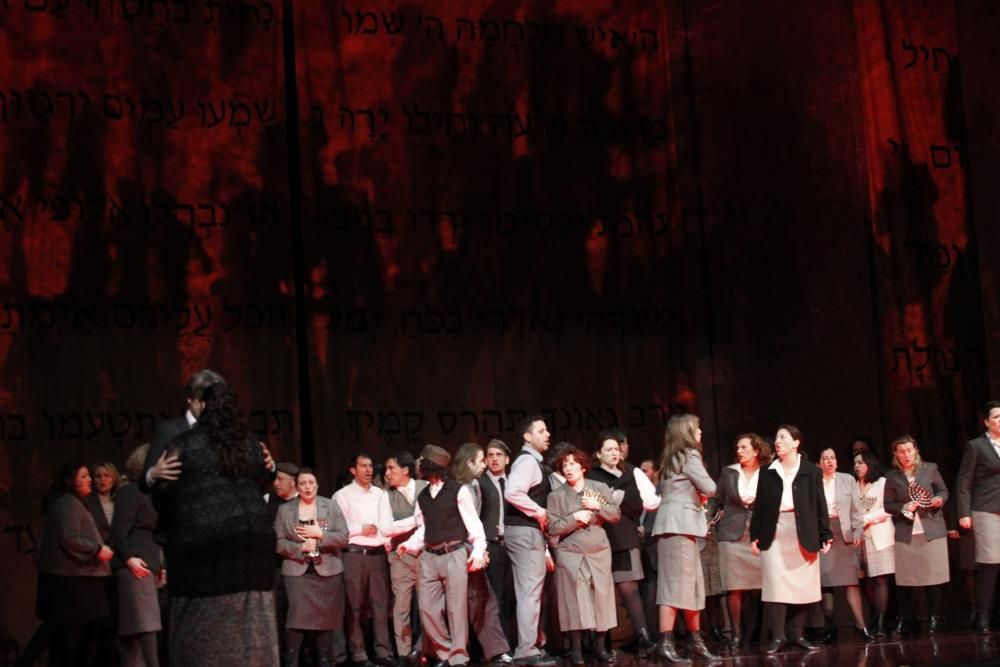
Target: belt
x=498 y=540
x=445 y=548
x=367 y=551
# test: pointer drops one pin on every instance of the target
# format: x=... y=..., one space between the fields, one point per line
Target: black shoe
x=804 y=643
x=878 y=626
x=863 y=634
x=734 y=641
x=907 y=626
x=828 y=635
x=644 y=644
x=605 y=657
x=364 y=663
x=983 y=624
x=774 y=646
x=290 y=658
x=502 y=659
x=575 y=659
x=439 y=663
x=413 y=657
x=666 y=650
x=387 y=661
x=699 y=649
x=934 y=624
x=716 y=634
x=538 y=660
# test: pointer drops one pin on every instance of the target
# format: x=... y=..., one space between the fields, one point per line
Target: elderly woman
x=914 y=495
x=626 y=561
x=220 y=541
x=733 y=502
x=839 y=567
x=72 y=565
x=585 y=587
x=311 y=530
x=790 y=525
x=877 y=548
x=133 y=527
x=680 y=521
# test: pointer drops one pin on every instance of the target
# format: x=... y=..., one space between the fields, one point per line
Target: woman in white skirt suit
x=878 y=548
x=790 y=526
x=680 y=520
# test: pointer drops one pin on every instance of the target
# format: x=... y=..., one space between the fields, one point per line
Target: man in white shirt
x=398 y=523
x=446 y=518
x=366 y=574
x=526 y=519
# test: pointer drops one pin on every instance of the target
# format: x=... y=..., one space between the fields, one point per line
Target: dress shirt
x=387 y=525
x=361 y=507
x=496 y=479
x=470 y=517
x=650 y=498
x=525 y=474
x=787 y=504
x=747 y=488
x=830 y=491
x=995 y=443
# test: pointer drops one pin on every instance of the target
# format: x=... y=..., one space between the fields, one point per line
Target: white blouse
x=787 y=504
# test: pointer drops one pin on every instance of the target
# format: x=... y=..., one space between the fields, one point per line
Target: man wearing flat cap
x=446 y=518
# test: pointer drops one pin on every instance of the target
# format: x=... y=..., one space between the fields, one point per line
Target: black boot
x=644 y=644
x=699 y=649
x=878 y=626
x=933 y=624
x=735 y=640
x=983 y=623
x=290 y=658
x=666 y=650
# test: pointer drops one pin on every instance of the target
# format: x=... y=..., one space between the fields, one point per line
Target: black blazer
x=812 y=518
x=133 y=526
x=727 y=500
x=165 y=433
x=979 y=478
x=897 y=495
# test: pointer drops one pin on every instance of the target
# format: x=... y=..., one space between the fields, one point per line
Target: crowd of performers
x=428 y=559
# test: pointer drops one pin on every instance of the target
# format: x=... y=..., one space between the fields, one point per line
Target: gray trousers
x=484 y=615
x=444 y=604
x=526 y=548
x=404 y=572
x=367 y=581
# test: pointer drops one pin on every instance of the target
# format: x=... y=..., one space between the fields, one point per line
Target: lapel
x=989 y=451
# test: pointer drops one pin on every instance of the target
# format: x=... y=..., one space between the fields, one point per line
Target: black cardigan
x=219 y=535
x=812 y=519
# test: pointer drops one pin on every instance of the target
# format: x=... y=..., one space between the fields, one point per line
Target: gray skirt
x=315 y=602
x=922 y=563
x=710 y=565
x=680 y=582
x=738 y=567
x=233 y=630
x=839 y=565
x=138 y=604
x=634 y=573
x=790 y=574
x=986 y=526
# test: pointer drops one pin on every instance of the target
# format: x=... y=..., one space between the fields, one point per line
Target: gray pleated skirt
x=138 y=604
x=790 y=574
x=634 y=573
x=922 y=563
x=986 y=526
x=234 y=630
x=739 y=569
x=839 y=566
x=315 y=602
x=680 y=582
x=710 y=565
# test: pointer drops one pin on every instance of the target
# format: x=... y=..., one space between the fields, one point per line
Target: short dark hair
x=404 y=459
x=874 y=467
x=613 y=433
x=360 y=455
x=557 y=450
x=577 y=455
x=524 y=426
x=990 y=406
x=304 y=471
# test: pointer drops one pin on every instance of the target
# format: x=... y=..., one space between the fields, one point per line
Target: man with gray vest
x=446 y=519
x=398 y=523
x=525 y=521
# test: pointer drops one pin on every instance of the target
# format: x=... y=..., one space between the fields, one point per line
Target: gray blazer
x=897 y=494
x=295 y=563
x=680 y=510
x=70 y=541
x=735 y=514
x=852 y=516
x=979 y=478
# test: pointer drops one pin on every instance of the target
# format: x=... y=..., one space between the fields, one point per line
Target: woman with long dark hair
x=739 y=567
x=626 y=561
x=72 y=567
x=220 y=541
x=878 y=551
x=680 y=521
x=914 y=494
x=789 y=528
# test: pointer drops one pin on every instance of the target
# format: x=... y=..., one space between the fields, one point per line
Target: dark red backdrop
x=604 y=212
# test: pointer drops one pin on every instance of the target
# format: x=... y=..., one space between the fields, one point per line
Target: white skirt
x=790 y=575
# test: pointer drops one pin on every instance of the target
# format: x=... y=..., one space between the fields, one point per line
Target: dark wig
x=874 y=467
x=227 y=431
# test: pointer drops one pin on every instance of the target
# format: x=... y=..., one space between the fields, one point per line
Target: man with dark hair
x=526 y=519
x=494 y=485
x=397 y=522
x=979 y=509
x=446 y=518
x=365 y=566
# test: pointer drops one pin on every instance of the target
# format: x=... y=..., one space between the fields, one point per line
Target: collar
x=780 y=469
x=496 y=478
x=361 y=489
x=191 y=419
x=534 y=453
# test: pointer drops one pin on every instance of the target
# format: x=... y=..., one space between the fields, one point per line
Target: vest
x=401 y=508
x=624 y=534
x=539 y=493
x=489 y=511
x=442 y=520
